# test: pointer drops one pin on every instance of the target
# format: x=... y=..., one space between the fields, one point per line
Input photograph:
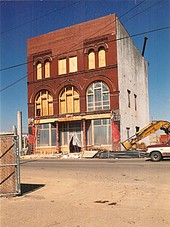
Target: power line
x=145 y=10
x=76 y=45
x=132 y=9
x=21 y=64
x=130 y=36
x=10 y=85
x=38 y=18
x=146 y=32
x=142 y=11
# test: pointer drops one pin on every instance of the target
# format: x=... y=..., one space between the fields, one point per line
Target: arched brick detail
x=40 y=88
x=102 y=45
x=68 y=82
x=102 y=78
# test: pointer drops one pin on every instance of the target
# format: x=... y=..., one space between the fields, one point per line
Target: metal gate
x=9 y=165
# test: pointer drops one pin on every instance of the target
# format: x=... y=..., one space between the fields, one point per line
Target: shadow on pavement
x=163 y=160
x=28 y=188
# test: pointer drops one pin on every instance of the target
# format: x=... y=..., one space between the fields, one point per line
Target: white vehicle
x=158 y=152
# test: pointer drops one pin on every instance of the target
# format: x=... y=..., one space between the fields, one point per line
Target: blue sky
x=20 y=20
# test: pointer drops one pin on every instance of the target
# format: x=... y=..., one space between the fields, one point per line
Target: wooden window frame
x=99 y=57
x=74 y=68
x=39 y=70
x=69 y=99
x=40 y=101
x=47 y=71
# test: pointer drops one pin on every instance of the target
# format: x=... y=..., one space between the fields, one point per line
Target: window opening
x=39 y=71
x=128 y=92
x=102 y=57
x=69 y=100
x=91 y=60
x=72 y=64
x=47 y=69
x=128 y=132
x=46 y=135
x=135 y=99
x=62 y=66
x=44 y=104
x=98 y=96
x=99 y=132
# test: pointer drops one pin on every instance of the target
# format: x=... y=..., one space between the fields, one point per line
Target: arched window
x=47 y=69
x=44 y=104
x=39 y=71
x=69 y=100
x=102 y=57
x=98 y=97
x=91 y=59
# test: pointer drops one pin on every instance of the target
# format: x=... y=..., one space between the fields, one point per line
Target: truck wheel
x=156 y=156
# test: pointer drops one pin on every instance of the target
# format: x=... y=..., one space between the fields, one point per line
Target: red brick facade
x=68 y=42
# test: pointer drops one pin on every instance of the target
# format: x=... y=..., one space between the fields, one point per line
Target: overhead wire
x=130 y=36
x=38 y=18
x=145 y=10
x=138 y=34
x=141 y=12
x=21 y=64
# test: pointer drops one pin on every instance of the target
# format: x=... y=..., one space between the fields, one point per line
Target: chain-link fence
x=9 y=165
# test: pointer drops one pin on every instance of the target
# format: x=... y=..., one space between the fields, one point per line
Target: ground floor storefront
x=76 y=135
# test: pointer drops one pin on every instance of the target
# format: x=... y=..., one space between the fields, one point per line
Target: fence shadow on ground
x=28 y=188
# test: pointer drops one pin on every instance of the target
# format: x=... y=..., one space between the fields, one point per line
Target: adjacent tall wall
x=133 y=85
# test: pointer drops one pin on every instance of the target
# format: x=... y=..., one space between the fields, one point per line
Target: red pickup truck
x=158 y=152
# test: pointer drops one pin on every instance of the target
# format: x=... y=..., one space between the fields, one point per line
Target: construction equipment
x=131 y=143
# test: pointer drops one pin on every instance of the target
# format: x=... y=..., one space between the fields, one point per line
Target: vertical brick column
x=57 y=138
x=115 y=136
x=84 y=135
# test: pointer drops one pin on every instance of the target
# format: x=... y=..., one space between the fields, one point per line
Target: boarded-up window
x=44 y=104
x=91 y=60
x=69 y=100
x=102 y=58
x=72 y=64
x=62 y=66
x=47 y=69
x=39 y=71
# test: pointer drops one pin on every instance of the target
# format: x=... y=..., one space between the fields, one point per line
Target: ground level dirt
x=88 y=198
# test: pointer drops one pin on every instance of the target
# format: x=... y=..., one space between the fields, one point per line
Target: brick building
x=87 y=84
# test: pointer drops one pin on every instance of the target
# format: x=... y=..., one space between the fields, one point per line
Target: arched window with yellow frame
x=47 y=69
x=39 y=70
x=91 y=59
x=102 y=57
x=44 y=104
x=69 y=100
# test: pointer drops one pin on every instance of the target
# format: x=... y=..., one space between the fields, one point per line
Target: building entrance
x=70 y=136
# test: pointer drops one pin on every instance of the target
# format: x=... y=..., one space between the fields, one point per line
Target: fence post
x=19 y=131
x=17 y=161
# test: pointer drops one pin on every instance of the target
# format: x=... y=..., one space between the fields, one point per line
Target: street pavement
x=90 y=193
